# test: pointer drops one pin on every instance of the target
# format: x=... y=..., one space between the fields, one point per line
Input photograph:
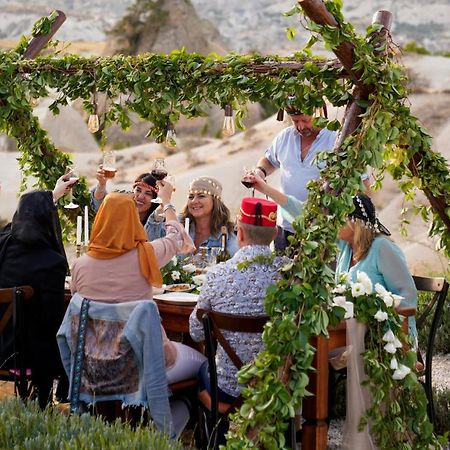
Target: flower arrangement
x=177 y=270
x=398 y=406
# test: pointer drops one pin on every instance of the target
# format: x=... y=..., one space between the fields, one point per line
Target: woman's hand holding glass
x=62 y=187
x=256 y=181
x=72 y=177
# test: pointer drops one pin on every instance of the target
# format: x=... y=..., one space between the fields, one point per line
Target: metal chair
x=213 y=323
x=12 y=334
x=434 y=309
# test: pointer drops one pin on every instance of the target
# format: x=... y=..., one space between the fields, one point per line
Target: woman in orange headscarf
x=120 y=266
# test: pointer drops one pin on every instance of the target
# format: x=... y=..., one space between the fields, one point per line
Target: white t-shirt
x=284 y=154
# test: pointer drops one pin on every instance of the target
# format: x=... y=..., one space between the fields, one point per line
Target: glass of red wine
x=159 y=172
x=246 y=182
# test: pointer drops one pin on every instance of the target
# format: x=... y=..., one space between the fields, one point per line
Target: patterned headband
x=367 y=218
x=145 y=186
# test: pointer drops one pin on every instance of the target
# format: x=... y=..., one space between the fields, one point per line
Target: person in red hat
x=232 y=290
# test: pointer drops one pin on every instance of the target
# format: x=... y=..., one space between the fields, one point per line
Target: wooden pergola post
x=317 y=12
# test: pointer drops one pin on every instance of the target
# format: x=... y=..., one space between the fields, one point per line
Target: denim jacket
x=156 y=229
x=132 y=357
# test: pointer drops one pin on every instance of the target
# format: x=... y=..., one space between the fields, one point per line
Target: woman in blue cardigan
x=363 y=246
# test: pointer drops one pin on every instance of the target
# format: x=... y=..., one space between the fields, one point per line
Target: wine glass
x=159 y=172
x=74 y=177
x=244 y=180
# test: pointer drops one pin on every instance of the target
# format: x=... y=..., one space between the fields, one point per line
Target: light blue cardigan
x=143 y=332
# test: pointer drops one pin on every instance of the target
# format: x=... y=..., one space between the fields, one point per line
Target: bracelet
x=264 y=171
x=168 y=206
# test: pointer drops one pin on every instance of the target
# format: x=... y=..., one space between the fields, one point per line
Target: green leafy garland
x=161 y=88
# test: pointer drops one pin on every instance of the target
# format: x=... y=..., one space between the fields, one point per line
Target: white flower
x=189 y=268
x=199 y=279
x=175 y=275
x=344 y=278
x=381 y=316
x=388 y=300
x=397 y=343
x=389 y=336
x=363 y=278
x=381 y=290
x=390 y=347
x=397 y=299
x=394 y=364
x=339 y=301
x=174 y=261
x=348 y=310
x=401 y=372
x=339 y=289
x=358 y=289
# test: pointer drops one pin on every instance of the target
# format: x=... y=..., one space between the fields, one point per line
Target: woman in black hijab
x=32 y=253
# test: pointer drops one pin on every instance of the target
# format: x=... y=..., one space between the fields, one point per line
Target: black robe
x=31 y=253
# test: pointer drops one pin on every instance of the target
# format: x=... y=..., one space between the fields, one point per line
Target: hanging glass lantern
x=228 y=128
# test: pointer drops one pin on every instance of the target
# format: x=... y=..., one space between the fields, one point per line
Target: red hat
x=258 y=211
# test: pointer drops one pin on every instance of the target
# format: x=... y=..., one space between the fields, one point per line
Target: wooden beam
x=40 y=41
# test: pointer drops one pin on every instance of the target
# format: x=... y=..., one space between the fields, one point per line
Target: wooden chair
x=14 y=369
x=213 y=324
x=94 y=356
x=433 y=309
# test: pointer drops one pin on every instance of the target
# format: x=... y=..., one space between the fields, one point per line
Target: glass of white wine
x=74 y=177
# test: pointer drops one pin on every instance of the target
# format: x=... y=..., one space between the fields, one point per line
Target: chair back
x=213 y=324
x=435 y=307
x=12 y=321
x=114 y=351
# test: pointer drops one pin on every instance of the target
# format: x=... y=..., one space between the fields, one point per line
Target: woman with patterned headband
x=206 y=213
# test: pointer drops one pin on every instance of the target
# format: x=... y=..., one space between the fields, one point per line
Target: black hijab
x=35 y=223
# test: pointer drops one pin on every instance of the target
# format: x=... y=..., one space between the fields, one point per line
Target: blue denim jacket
x=142 y=331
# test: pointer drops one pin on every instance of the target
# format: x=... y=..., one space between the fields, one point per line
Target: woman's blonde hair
x=220 y=215
x=362 y=239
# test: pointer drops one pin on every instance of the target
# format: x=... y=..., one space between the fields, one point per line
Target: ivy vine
x=161 y=88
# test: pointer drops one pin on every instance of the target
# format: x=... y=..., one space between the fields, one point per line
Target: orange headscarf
x=117 y=230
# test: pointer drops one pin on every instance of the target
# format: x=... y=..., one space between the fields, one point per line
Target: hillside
x=244 y=25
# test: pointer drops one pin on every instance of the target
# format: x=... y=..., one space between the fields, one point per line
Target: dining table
x=175 y=318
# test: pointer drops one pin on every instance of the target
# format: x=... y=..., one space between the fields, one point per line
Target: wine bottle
x=223 y=254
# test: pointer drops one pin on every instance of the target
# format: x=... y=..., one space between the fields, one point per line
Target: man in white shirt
x=294 y=152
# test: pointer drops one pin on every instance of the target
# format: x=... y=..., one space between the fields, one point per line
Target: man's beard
x=307 y=132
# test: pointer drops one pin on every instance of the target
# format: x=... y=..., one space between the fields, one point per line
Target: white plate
x=181 y=298
x=179 y=287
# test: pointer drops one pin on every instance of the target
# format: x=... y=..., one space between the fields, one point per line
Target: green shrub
x=414 y=47
x=442 y=410
x=25 y=426
x=442 y=342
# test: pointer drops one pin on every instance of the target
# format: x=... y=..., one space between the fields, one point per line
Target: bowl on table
x=158 y=290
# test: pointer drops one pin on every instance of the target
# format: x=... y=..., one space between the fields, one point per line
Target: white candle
x=86 y=225
x=186 y=225
x=79 y=229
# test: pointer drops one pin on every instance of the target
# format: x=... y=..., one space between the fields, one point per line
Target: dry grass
x=6 y=390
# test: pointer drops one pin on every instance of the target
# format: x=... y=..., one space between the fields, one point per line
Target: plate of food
x=180 y=298
x=179 y=287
